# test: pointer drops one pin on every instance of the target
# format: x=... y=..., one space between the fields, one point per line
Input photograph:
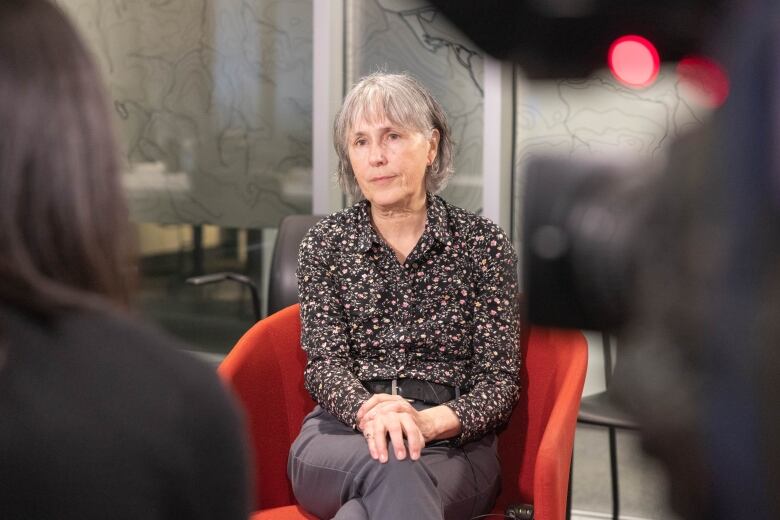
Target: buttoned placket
x=411 y=272
x=402 y=287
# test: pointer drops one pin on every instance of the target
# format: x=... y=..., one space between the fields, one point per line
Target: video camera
x=582 y=222
x=683 y=262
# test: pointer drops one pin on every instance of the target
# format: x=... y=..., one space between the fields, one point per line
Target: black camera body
x=581 y=223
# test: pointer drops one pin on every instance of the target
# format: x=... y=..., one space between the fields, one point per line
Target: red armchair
x=265 y=370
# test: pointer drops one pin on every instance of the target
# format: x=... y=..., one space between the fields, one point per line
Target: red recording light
x=634 y=61
x=704 y=80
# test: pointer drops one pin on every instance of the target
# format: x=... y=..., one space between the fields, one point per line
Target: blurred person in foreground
x=102 y=417
x=410 y=324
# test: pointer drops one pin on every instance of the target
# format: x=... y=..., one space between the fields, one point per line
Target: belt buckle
x=397 y=390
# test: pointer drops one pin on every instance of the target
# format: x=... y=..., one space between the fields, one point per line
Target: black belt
x=417 y=389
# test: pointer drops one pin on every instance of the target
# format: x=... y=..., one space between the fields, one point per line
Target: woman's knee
x=398 y=473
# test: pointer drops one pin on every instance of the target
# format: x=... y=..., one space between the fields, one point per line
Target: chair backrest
x=265 y=369
x=282 y=284
x=536 y=447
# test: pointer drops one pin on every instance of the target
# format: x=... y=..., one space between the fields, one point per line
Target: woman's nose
x=376 y=156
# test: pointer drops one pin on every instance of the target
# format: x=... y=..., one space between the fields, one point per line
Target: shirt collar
x=365 y=231
x=435 y=225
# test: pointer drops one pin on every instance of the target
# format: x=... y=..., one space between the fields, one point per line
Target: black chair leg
x=614 y=473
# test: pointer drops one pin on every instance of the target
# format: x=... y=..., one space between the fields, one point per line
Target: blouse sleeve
x=493 y=386
x=328 y=376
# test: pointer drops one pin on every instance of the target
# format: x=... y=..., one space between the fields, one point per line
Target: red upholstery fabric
x=283 y=513
x=535 y=449
x=265 y=369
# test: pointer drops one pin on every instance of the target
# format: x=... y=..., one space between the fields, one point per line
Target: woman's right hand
x=369 y=404
x=386 y=415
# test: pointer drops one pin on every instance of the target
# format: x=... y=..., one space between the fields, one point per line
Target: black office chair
x=600 y=410
x=282 y=284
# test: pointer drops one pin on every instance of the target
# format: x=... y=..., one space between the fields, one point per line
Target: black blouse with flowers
x=448 y=314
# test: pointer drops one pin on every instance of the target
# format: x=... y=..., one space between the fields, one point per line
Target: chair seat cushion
x=282 y=513
x=296 y=513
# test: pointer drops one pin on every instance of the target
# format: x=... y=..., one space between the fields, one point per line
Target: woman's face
x=389 y=162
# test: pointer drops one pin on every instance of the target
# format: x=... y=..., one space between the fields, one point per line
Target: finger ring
x=367 y=435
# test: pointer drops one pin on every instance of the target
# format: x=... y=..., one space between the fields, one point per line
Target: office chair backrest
x=282 y=284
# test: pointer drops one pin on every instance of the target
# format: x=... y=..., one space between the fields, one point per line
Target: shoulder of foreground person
x=213 y=454
x=151 y=363
x=155 y=427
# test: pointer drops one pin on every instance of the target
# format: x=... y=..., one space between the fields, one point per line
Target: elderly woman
x=410 y=324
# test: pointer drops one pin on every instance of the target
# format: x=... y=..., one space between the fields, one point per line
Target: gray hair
x=405 y=102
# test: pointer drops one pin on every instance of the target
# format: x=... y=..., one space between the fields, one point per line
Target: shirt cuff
x=465 y=430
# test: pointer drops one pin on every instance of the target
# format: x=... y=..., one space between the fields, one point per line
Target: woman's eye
x=360 y=142
x=394 y=137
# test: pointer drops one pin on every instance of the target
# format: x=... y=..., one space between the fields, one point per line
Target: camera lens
x=580 y=226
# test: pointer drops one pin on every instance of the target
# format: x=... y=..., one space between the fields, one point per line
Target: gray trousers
x=334 y=476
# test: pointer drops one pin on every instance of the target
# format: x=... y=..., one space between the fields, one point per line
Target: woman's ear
x=433 y=143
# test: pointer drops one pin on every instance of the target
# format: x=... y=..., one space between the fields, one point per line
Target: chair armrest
x=235 y=277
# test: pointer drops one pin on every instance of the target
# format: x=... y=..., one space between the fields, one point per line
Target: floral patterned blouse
x=448 y=314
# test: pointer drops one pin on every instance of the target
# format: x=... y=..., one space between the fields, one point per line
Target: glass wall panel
x=212 y=100
x=213 y=103
x=412 y=36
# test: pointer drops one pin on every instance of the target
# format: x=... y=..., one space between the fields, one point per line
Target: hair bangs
x=378 y=102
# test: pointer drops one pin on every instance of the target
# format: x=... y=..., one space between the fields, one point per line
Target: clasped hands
x=385 y=415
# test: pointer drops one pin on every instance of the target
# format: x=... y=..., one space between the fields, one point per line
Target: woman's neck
x=400 y=228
